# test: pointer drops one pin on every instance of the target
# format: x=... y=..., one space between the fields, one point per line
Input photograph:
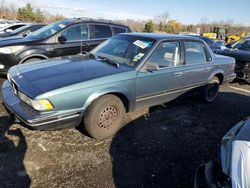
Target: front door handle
x=178 y=73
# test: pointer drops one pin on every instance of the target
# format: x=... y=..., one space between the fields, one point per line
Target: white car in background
x=11 y=27
x=3 y=23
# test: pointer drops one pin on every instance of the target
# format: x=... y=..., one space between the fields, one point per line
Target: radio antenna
x=81 y=48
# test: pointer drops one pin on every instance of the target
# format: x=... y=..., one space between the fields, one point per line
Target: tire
x=104 y=117
x=211 y=90
x=31 y=60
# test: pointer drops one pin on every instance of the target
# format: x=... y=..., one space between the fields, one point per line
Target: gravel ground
x=161 y=149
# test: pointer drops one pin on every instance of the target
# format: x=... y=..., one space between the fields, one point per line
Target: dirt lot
x=159 y=150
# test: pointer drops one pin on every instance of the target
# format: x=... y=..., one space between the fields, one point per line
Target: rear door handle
x=178 y=73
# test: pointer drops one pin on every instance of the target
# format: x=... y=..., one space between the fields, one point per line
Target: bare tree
x=162 y=18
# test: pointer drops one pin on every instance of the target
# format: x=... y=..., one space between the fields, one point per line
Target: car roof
x=102 y=21
x=159 y=36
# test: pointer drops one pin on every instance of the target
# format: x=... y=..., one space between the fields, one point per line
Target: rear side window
x=102 y=31
x=119 y=30
x=194 y=53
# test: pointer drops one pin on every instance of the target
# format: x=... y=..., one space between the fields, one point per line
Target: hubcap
x=108 y=117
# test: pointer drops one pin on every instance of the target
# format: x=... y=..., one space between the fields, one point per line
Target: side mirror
x=62 y=39
x=150 y=67
x=8 y=30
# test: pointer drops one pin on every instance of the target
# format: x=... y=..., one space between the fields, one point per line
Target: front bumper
x=36 y=120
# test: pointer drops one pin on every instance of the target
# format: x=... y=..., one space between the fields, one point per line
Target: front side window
x=102 y=31
x=125 y=49
x=167 y=54
x=194 y=53
x=76 y=33
x=51 y=29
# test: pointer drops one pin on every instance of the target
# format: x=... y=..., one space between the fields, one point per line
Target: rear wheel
x=103 y=118
x=211 y=90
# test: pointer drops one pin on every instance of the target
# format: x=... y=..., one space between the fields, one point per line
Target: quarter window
x=102 y=31
x=167 y=54
x=194 y=53
x=119 y=30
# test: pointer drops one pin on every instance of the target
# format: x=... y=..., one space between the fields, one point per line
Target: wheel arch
x=219 y=74
x=40 y=56
x=121 y=95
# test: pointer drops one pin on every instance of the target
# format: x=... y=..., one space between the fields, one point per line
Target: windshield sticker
x=141 y=44
x=138 y=57
x=61 y=25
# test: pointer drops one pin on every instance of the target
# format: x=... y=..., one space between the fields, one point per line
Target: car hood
x=239 y=55
x=15 y=40
x=43 y=76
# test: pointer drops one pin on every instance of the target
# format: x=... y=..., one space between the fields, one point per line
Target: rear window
x=102 y=31
x=119 y=30
x=194 y=53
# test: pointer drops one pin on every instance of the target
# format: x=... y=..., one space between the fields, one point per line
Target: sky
x=185 y=11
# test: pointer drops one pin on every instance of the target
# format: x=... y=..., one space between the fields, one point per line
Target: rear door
x=98 y=34
x=197 y=65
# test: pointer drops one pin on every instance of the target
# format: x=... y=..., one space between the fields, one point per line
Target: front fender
x=116 y=90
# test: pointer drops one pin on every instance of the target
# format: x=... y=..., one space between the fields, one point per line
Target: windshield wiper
x=107 y=60
x=89 y=54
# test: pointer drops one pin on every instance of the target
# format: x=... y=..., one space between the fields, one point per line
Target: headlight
x=9 y=77
x=39 y=105
x=10 y=49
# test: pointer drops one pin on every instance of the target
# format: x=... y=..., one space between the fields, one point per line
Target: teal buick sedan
x=124 y=73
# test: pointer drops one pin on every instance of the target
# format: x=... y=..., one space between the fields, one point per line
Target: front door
x=163 y=85
x=77 y=37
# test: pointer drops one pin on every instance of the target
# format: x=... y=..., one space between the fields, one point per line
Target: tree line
x=26 y=14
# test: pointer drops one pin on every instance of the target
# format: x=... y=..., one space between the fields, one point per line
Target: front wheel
x=104 y=117
x=211 y=90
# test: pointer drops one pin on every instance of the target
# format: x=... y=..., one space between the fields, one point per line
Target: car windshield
x=126 y=49
x=241 y=44
x=50 y=29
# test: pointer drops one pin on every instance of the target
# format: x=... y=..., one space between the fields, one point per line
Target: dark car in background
x=23 y=31
x=241 y=52
x=63 y=38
